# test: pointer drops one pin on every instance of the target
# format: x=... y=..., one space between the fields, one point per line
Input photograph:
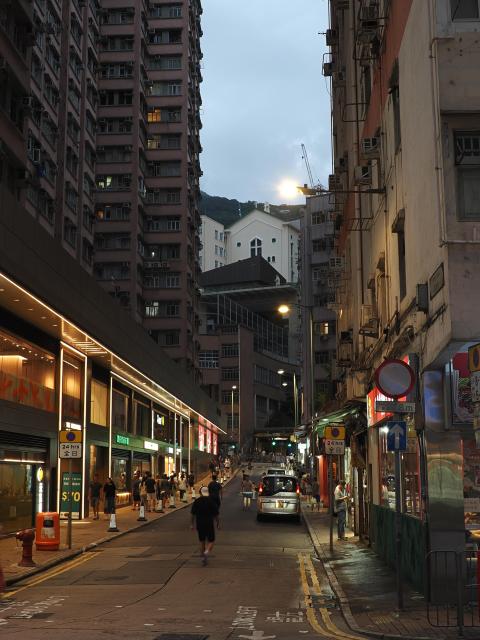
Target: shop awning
x=337 y=417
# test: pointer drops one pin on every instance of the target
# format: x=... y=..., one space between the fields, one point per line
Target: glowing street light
x=281 y=372
x=283 y=309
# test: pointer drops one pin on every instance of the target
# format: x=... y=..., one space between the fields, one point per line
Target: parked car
x=278 y=495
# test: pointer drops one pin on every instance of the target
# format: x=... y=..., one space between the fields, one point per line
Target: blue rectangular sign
x=397 y=435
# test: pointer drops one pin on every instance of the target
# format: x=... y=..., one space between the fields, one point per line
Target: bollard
x=27 y=536
x=141 y=516
x=113 y=523
x=159 y=507
x=193 y=493
x=172 y=502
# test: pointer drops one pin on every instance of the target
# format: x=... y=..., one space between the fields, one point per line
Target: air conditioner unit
x=371 y=147
x=327 y=69
x=363 y=175
x=331 y=37
x=36 y=155
x=368 y=321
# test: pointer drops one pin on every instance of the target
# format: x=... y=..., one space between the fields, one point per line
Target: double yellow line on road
x=330 y=629
x=76 y=562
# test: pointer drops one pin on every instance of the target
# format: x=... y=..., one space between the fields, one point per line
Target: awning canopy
x=337 y=417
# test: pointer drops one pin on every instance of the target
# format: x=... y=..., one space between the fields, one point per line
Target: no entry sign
x=395 y=378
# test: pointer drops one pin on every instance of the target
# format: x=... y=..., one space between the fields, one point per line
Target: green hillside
x=227 y=211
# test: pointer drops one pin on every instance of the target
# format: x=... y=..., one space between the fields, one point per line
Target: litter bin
x=48 y=531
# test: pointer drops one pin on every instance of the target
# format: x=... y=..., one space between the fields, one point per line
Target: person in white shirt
x=340 y=505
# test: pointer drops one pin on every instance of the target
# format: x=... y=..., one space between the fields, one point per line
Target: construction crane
x=307 y=164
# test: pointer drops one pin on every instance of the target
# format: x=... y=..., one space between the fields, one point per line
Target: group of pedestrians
x=155 y=493
x=96 y=489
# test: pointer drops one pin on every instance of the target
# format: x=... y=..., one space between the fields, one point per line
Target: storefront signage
x=475 y=386
x=122 y=439
x=393 y=406
x=151 y=446
x=73 y=426
x=374 y=416
x=436 y=282
x=65 y=495
x=201 y=438
x=160 y=420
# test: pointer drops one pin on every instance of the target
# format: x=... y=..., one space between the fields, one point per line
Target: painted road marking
x=52 y=574
x=306 y=562
x=257 y=635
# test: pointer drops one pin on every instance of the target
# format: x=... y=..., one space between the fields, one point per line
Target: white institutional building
x=274 y=237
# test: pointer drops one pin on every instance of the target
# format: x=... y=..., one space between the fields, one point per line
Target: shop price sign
x=76 y=487
x=334 y=447
x=70 y=450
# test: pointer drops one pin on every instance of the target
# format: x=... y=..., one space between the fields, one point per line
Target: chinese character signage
x=201 y=438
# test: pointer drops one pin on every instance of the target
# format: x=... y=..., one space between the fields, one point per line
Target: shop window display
x=119 y=411
x=27 y=373
x=16 y=496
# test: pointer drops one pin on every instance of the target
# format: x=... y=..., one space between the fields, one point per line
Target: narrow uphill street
x=259 y=583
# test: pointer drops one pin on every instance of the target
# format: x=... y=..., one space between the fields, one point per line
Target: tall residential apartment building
x=406 y=145
x=104 y=151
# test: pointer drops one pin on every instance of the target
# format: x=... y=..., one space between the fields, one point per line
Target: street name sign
x=334 y=447
x=397 y=435
x=70 y=450
x=392 y=406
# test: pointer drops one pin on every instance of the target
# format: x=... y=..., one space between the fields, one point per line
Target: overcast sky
x=263 y=95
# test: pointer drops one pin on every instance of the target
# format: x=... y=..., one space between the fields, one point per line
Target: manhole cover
x=181 y=636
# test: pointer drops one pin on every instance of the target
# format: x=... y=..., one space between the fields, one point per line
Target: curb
x=92 y=545
x=343 y=600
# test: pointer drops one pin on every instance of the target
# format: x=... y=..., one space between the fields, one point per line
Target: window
x=227 y=397
x=467 y=161
x=318 y=218
x=402 y=270
x=159 y=114
x=113 y=211
x=239 y=244
x=166 y=88
x=465 y=9
x=99 y=403
x=326 y=328
x=322 y=357
x=216 y=234
x=232 y=423
x=230 y=350
x=395 y=96
x=274 y=240
x=229 y=373
x=208 y=359
x=255 y=247
x=166 y=11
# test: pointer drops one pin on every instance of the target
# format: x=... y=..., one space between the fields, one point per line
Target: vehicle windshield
x=274 y=472
x=278 y=484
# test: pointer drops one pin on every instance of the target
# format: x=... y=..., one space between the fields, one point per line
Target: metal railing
x=453 y=588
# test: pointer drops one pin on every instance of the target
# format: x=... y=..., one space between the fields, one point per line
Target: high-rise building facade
x=103 y=140
x=147 y=172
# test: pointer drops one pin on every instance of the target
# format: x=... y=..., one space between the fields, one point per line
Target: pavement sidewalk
x=86 y=534
x=365 y=588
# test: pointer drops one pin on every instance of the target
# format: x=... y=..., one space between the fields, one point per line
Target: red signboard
x=201 y=437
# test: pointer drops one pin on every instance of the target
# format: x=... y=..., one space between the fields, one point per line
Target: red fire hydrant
x=27 y=536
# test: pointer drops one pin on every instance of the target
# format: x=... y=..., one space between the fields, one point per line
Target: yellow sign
x=474 y=358
x=335 y=432
x=71 y=436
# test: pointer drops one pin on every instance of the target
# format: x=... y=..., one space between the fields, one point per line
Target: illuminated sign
x=122 y=439
x=201 y=438
x=152 y=446
x=160 y=420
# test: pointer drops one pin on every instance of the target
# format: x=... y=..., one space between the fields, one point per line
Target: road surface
x=261 y=582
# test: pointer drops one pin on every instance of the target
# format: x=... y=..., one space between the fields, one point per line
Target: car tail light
x=260 y=488
x=298 y=491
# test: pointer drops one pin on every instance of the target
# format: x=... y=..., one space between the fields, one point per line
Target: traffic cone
x=113 y=523
x=141 y=515
x=172 y=502
x=185 y=499
x=193 y=493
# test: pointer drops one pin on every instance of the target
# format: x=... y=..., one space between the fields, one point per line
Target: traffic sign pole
x=398 y=529
x=70 y=505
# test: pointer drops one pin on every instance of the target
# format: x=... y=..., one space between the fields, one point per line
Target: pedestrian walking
x=215 y=490
x=227 y=464
x=247 y=492
x=164 y=490
x=204 y=514
x=95 y=491
x=150 y=488
x=340 y=503
x=191 y=483
x=182 y=487
x=315 y=495
x=143 y=491
x=109 y=493
x=136 y=491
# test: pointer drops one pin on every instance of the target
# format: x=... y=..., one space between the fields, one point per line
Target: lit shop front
x=54 y=377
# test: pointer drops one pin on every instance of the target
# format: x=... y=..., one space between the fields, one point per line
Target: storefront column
x=189 y=445
x=175 y=442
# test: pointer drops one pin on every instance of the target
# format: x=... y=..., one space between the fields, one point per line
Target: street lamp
x=284 y=309
x=234 y=387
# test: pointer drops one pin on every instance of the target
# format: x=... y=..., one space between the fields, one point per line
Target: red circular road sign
x=395 y=378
